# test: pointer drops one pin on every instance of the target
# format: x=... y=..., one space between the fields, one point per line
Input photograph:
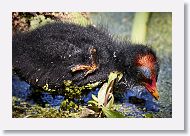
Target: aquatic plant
x=156 y=38
x=105 y=100
x=139 y=29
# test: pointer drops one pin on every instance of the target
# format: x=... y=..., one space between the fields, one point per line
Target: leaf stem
x=139 y=28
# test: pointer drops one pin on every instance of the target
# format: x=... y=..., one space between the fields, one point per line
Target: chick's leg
x=88 y=68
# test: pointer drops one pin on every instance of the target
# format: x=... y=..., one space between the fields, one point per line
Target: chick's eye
x=149 y=81
x=144 y=75
x=145 y=72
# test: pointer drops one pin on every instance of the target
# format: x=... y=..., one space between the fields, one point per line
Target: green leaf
x=112 y=114
x=111 y=101
x=119 y=76
x=94 y=98
x=102 y=94
x=112 y=76
x=93 y=103
x=92 y=85
x=109 y=91
x=94 y=108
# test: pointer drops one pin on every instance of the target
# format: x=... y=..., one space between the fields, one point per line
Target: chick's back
x=46 y=54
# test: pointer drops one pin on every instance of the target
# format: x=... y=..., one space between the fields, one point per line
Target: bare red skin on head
x=149 y=61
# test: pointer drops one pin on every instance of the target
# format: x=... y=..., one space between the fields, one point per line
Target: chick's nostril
x=158 y=97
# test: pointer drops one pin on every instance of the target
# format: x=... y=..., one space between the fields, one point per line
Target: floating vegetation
x=103 y=104
x=89 y=101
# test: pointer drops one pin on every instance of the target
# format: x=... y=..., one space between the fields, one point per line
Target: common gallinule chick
x=63 y=51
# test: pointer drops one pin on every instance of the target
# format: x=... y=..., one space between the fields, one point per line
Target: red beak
x=153 y=89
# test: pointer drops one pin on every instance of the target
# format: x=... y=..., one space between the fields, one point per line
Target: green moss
x=70 y=90
x=67 y=105
x=23 y=109
x=38 y=21
x=148 y=115
x=27 y=21
x=73 y=17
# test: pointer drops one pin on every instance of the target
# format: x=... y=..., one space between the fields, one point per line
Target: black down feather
x=47 y=54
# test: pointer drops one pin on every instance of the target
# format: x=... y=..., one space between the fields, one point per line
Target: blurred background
x=158 y=36
x=153 y=29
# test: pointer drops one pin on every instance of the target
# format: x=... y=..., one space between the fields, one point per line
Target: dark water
x=159 y=35
x=119 y=25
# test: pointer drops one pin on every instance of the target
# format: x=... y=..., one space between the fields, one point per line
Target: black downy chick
x=63 y=51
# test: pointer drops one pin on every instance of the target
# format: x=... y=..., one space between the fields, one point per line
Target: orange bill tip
x=153 y=91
